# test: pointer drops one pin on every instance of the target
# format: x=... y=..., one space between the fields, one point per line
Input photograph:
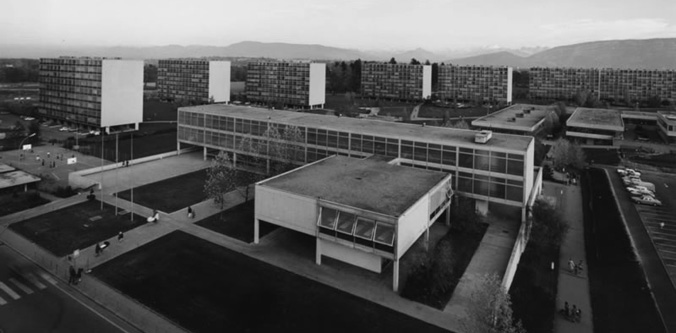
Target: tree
x=221 y=178
x=564 y=153
x=414 y=61
x=460 y=124
x=490 y=308
x=284 y=148
x=548 y=228
x=393 y=61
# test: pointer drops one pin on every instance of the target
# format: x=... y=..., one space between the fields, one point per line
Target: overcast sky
x=361 y=24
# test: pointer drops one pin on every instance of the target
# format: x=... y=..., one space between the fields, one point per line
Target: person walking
x=191 y=213
x=571 y=265
x=578 y=267
x=71 y=275
x=566 y=310
x=120 y=236
x=97 y=249
x=573 y=312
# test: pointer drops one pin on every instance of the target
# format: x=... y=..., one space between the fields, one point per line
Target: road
x=33 y=301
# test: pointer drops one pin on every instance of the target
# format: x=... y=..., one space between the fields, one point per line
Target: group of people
x=74 y=275
x=575 y=268
x=573 y=314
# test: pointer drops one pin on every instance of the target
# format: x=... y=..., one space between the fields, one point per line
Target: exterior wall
x=184 y=80
x=369 y=261
x=317 y=84
x=393 y=81
x=411 y=225
x=489 y=173
x=286 y=209
x=607 y=83
x=667 y=126
x=427 y=82
x=70 y=90
x=528 y=175
x=219 y=81
x=475 y=83
x=122 y=92
x=286 y=83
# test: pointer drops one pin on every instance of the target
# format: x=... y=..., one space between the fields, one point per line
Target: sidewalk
x=572 y=288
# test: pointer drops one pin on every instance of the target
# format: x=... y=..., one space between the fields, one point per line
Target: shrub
x=64 y=192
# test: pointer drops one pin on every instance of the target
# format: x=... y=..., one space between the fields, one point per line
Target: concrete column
x=25 y=187
x=395 y=276
x=256 y=230
x=178 y=147
x=427 y=236
x=318 y=252
x=448 y=216
x=205 y=153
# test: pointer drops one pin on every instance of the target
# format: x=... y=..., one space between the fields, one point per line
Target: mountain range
x=646 y=53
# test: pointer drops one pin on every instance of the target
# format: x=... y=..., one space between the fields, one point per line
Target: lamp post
x=21 y=145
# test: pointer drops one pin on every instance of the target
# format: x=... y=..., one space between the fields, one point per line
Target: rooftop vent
x=519 y=115
x=526 y=111
x=511 y=120
x=483 y=136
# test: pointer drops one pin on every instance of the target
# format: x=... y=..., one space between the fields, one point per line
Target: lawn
x=621 y=300
x=666 y=161
x=237 y=222
x=431 y=111
x=23 y=200
x=602 y=156
x=75 y=227
x=176 y=193
x=145 y=145
x=433 y=282
x=155 y=110
x=207 y=288
x=534 y=289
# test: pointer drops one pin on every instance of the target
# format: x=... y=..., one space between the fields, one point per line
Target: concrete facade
x=475 y=83
x=194 y=80
x=396 y=81
x=286 y=84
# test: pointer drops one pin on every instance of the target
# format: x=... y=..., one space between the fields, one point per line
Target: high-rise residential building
x=92 y=92
x=475 y=83
x=286 y=84
x=396 y=81
x=631 y=85
x=561 y=83
x=194 y=80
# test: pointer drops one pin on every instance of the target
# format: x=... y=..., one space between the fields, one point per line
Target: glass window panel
x=465 y=184
x=515 y=167
x=329 y=218
x=481 y=162
x=498 y=154
x=407 y=152
x=434 y=155
x=384 y=234
x=497 y=190
x=364 y=228
x=344 y=142
x=514 y=193
x=355 y=143
x=332 y=139
x=498 y=164
x=481 y=187
x=516 y=157
x=312 y=137
x=346 y=223
x=420 y=154
x=466 y=160
x=380 y=147
x=467 y=150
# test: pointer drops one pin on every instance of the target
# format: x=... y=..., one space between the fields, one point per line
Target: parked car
x=629 y=181
x=633 y=172
x=63 y=129
x=622 y=172
x=640 y=192
x=647 y=200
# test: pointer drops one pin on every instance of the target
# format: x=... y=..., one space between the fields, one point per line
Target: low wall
x=517 y=251
x=77 y=179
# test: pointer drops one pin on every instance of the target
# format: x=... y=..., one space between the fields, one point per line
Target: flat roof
x=668 y=116
x=16 y=178
x=6 y=168
x=412 y=132
x=367 y=184
x=502 y=118
x=603 y=119
x=639 y=114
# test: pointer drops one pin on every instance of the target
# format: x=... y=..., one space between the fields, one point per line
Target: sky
x=358 y=24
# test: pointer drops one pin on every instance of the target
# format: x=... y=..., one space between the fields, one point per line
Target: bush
x=64 y=192
x=549 y=228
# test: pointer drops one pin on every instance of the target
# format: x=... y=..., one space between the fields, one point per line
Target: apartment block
x=92 y=92
x=475 y=83
x=292 y=84
x=200 y=81
x=561 y=83
x=396 y=81
x=608 y=83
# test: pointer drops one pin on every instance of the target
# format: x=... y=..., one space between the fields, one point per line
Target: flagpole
x=117 y=166
x=101 y=171
x=132 y=181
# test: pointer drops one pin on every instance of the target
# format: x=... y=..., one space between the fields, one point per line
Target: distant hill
x=645 y=53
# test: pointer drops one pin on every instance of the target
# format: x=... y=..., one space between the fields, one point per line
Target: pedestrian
x=48 y=154
x=191 y=214
x=43 y=162
x=578 y=267
x=661 y=225
x=120 y=236
x=79 y=275
x=566 y=309
x=71 y=275
x=573 y=312
x=578 y=315
x=97 y=249
x=571 y=265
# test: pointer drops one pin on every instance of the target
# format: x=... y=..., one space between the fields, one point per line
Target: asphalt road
x=33 y=301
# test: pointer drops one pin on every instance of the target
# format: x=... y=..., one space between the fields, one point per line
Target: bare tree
x=221 y=178
x=490 y=308
x=564 y=153
x=460 y=124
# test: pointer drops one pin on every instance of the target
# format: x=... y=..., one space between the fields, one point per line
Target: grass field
x=171 y=194
x=154 y=110
x=602 y=156
x=237 y=222
x=621 y=300
x=207 y=288
x=24 y=200
x=431 y=111
x=75 y=227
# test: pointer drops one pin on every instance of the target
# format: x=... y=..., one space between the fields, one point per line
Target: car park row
x=641 y=192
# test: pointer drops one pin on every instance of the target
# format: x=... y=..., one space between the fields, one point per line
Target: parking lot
x=660 y=221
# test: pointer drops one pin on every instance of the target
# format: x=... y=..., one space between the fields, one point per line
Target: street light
x=21 y=145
